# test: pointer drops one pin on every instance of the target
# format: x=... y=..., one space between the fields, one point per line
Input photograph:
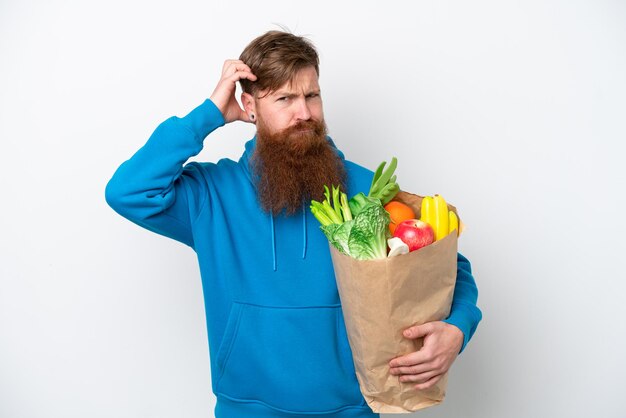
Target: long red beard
x=293 y=166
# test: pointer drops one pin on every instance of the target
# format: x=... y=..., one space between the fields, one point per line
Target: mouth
x=305 y=128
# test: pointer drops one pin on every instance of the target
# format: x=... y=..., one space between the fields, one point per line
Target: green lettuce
x=368 y=236
x=364 y=237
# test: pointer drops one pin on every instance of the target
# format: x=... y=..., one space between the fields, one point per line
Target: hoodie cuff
x=204 y=119
x=465 y=318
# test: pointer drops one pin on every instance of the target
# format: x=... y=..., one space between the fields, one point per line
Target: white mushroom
x=397 y=247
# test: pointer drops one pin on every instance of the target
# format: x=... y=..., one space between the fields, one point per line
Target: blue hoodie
x=277 y=338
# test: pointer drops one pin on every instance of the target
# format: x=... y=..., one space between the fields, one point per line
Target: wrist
x=204 y=119
x=456 y=334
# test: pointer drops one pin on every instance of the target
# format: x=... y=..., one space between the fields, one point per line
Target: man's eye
x=282 y=99
x=312 y=95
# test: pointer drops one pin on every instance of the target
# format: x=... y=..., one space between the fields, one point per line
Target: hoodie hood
x=245 y=162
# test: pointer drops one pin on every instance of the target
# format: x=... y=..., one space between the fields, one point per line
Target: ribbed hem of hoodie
x=228 y=408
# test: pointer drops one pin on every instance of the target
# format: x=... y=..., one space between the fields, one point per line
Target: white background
x=513 y=110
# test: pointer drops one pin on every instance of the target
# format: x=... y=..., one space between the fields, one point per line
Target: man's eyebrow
x=287 y=93
x=283 y=93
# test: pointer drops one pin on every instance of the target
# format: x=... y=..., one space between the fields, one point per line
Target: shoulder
x=221 y=172
x=358 y=170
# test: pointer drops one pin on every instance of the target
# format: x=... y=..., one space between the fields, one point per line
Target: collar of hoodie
x=244 y=161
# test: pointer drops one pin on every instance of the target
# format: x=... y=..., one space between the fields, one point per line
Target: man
x=277 y=339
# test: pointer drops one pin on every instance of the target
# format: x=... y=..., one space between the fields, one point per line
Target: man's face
x=293 y=158
x=294 y=102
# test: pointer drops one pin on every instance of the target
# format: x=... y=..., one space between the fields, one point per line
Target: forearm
x=151 y=181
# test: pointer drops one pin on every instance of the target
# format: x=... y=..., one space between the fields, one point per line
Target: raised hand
x=224 y=94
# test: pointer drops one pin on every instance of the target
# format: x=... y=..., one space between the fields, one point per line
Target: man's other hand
x=442 y=343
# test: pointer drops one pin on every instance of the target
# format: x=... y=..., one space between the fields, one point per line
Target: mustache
x=304 y=129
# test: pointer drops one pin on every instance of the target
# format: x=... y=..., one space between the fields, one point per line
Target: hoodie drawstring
x=246 y=165
x=304 y=235
x=273 y=238
x=303 y=231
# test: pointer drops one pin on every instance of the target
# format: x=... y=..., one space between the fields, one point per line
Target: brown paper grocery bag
x=380 y=299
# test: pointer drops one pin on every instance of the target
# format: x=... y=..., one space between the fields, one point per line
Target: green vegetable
x=320 y=213
x=338 y=235
x=336 y=203
x=384 y=186
x=358 y=202
x=365 y=236
x=359 y=227
x=345 y=207
x=368 y=236
x=334 y=213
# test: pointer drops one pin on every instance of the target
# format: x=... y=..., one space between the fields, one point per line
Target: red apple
x=414 y=233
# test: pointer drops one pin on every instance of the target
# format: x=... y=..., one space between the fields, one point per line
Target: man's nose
x=303 y=112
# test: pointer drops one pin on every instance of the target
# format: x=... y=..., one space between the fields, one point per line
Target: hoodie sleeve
x=464 y=313
x=153 y=189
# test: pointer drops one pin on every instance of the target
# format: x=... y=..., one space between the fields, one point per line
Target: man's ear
x=248 y=104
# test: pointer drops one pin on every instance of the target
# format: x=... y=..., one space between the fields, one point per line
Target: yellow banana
x=461 y=227
x=442 y=218
x=453 y=222
x=428 y=211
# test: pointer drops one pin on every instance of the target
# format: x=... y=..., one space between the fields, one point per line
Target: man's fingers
x=229 y=65
x=417 y=331
x=426 y=366
x=224 y=94
x=412 y=359
x=238 y=75
x=418 y=378
x=237 y=68
x=417 y=369
x=401 y=361
x=429 y=383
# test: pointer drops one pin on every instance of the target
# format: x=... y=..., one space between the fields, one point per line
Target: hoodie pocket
x=291 y=359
